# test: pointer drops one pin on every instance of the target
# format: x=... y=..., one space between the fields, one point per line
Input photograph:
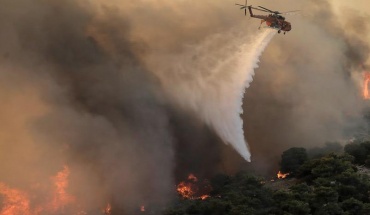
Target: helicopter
x=274 y=20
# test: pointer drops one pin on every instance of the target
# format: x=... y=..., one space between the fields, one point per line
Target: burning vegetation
x=108 y=209
x=61 y=198
x=59 y=201
x=281 y=175
x=342 y=189
x=365 y=90
x=192 y=188
x=14 y=201
x=19 y=202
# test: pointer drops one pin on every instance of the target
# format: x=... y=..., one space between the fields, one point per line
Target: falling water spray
x=210 y=79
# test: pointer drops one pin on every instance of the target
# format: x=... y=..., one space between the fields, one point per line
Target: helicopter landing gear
x=279 y=31
x=262 y=21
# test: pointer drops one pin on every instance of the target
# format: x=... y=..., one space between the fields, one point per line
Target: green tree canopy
x=360 y=151
x=292 y=159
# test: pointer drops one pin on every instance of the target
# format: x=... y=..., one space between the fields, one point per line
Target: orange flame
x=185 y=190
x=17 y=202
x=192 y=188
x=192 y=177
x=282 y=175
x=204 y=197
x=142 y=208
x=108 y=209
x=61 y=197
x=365 y=91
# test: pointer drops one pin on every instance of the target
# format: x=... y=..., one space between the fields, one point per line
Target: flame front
x=192 y=177
x=204 y=197
x=192 y=188
x=17 y=202
x=365 y=90
x=281 y=175
x=61 y=197
x=185 y=190
x=108 y=209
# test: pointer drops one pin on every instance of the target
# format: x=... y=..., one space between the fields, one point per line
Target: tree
x=286 y=204
x=327 y=185
x=330 y=209
x=327 y=168
x=233 y=195
x=302 y=192
x=367 y=161
x=353 y=206
x=219 y=183
x=329 y=147
x=292 y=159
x=353 y=185
x=323 y=196
x=359 y=151
x=366 y=208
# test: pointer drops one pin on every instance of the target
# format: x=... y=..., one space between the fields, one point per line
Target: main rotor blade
x=288 y=12
x=267 y=9
x=240 y=5
x=260 y=10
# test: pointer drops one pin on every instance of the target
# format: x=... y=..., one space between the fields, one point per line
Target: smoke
x=70 y=102
x=130 y=95
x=307 y=90
x=98 y=102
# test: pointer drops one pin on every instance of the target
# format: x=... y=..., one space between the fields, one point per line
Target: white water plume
x=210 y=79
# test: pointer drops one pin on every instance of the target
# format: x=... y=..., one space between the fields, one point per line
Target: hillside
x=334 y=183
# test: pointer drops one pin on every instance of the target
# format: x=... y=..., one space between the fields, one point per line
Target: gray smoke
x=102 y=113
x=307 y=90
x=98 y=86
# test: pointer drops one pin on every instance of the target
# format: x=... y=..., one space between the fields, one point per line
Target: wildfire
x=192 y=177
x=204 y=197
x=108 y=209
x=192 y=188
x=365 y=90
x=281 y=175
x=61 y=197
x=17 y=202
x=142 y=208
x=185 y=189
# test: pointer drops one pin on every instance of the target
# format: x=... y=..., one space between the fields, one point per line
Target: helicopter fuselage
x=273 y=21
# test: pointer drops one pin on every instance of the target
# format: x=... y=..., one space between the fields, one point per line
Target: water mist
x=210 y=78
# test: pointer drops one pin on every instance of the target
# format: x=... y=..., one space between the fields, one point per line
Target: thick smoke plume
x=69 y=100
x=308 y=89
x=123 y=95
